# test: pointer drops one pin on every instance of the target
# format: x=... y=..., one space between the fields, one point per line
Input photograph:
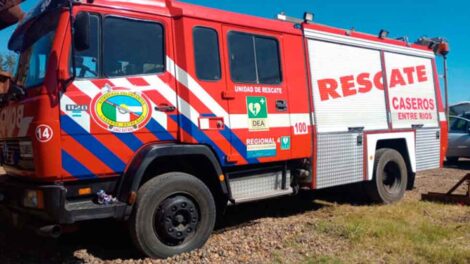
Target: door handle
x=281 y=105
x=356 y=129
x=165 y=108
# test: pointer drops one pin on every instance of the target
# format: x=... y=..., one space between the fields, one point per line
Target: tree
x=8 y=62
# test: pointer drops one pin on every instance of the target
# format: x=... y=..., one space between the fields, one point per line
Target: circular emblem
x=44 y=133
x=121 y=111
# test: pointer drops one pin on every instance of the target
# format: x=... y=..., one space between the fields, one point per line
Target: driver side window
x=86 y=62
x=132 y=47
x=459 y=125
x=121 y=47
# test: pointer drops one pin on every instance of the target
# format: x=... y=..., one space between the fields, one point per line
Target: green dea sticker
x=257 y=113
x=285 y=143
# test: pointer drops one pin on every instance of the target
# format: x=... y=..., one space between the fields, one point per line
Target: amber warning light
x=443 y=48
x=439 y=45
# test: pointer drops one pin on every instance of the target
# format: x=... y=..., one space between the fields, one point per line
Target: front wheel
x=390 y=177
x=175 y=213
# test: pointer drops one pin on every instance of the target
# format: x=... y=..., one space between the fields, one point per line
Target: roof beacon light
x=443 y=48
x=439 y=45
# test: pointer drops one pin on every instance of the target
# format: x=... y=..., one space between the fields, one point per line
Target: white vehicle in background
x=459 y=138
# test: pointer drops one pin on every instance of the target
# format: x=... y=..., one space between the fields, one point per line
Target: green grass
x=323 y=260
x=407 y=232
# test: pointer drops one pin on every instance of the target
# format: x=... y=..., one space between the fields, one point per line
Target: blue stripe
x=92 y=144
x=75 y=168
x=159 y=131
x=130 y=140
x=194 y=131
x=238 y=144
x=208 y=115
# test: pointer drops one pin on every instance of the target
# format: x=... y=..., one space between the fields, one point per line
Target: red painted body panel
x=444 y=123
x=78 y=151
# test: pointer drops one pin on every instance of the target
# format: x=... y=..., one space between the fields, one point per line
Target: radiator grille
x=10 y=155
x=10 y=152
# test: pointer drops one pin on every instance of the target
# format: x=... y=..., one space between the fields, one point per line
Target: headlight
x=26 y=149
x=33 y=199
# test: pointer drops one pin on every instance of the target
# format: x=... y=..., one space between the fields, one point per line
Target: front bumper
x=13 y=192
x=56 y=208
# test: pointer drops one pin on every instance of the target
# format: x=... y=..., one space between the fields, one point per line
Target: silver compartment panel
x=428 y=149
x=339 y=159
x=259 y=186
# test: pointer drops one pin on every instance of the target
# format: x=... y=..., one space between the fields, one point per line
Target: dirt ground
x=278 y=230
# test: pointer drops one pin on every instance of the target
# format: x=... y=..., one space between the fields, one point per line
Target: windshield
x=33 y=62
x=36 y=45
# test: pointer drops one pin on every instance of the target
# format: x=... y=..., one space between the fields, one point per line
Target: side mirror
x=81 y=37
x=5 y=79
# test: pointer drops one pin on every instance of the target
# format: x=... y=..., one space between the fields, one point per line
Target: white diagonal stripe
x=170 y=66
x=170 y=95
x=88 y=88
x=163 y=88
x=121 y=82
x=183 y=77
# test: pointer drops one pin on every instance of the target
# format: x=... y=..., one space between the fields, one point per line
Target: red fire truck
x=162 y=113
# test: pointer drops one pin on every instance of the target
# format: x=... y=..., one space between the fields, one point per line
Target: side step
x=261 y=186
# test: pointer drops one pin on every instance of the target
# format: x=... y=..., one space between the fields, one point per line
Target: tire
x=174 y=213
x=452 y=160
x=390 y=177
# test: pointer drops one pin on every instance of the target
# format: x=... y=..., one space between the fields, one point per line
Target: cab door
x=201 y=82
x=123 y=95
x=257 y=95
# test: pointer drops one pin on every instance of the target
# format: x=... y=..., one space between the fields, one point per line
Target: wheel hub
x=176 y=219
x=392 y=178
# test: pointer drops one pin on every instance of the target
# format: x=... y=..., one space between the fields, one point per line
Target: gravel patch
x=260 y=232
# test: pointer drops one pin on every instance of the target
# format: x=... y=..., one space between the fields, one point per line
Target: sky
x=449 y=19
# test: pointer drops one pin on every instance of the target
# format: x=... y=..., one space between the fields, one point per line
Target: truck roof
x=365 y=36
x=177 y=8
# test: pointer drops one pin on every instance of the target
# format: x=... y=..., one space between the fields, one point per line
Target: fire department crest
x=121 y=111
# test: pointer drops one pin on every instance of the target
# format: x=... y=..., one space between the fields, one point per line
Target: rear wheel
x=390 y=177
x=174 y=213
